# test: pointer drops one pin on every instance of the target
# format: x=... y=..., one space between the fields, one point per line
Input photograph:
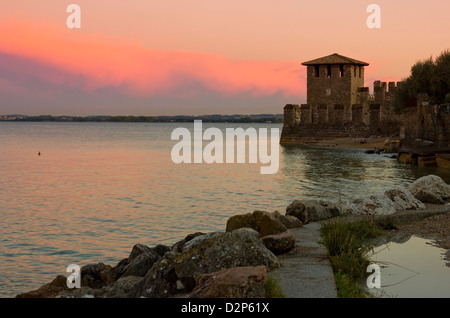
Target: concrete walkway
x=306 y=272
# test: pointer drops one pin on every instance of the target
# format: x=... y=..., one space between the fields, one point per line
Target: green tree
x=428 y=76
x=440 y=80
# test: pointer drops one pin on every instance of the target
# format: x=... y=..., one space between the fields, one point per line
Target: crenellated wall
x=427 y=122
x=367 y=115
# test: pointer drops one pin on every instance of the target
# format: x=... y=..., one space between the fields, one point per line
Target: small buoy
x=39 y=153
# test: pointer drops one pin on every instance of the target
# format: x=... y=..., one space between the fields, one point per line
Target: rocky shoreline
x=236 y=263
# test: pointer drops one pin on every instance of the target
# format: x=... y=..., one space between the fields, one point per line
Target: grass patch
x=272 y=288
x=348 y=245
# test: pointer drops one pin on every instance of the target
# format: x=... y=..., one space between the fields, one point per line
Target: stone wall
x=330 y=122
x=427 y=122
x=339 y=108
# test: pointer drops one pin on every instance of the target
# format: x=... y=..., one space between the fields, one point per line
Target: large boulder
x=97 y=275
x=320 y=210
x=430 y=189
x=178 y=247
x=50 y=290
x=298 y=210
x=403 y=199
x=122 y=288
x=312 y=210
x=264 y=223
x=240 y=247
x=140 y=260
x=374 y=204
x=289 y=221
x=160 y=281
x=236 y=282
x=198 y=240
x=279 y=243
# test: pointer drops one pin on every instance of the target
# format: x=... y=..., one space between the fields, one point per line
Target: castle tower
x=332 y=84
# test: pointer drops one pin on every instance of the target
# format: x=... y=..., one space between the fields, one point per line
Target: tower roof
x=335 y=59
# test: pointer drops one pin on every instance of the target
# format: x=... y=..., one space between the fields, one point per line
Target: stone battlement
x=338 y=105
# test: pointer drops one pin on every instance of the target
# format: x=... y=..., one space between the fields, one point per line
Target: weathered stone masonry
x=338 y=104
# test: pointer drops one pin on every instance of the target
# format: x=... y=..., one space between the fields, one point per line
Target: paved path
x=306 y=272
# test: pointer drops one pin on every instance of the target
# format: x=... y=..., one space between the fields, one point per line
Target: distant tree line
x=427 y=76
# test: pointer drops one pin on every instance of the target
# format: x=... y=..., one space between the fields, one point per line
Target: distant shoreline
x=236 y=118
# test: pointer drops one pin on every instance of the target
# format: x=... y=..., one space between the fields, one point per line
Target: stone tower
x=338 y=104
x=332 y=83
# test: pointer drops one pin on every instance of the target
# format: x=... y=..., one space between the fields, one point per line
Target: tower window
x=328 y=70
x=359 y=71
x=316 y=70
x=354 y=70
x=341 y=70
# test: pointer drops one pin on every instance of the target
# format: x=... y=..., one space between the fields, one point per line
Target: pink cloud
x=91 y=61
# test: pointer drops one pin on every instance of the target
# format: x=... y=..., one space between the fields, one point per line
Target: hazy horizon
x=197 y=57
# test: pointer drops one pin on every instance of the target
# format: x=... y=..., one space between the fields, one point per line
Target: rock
x=404 y=200
x=289 y=221
x=375 y=204
x=240 y=247
x=391 y=145
x=161 y=249
x=83 y=292
x=50 y=290
x=279 y=243
x=178 y=247
x=311 y=210
x=297 y=209
x=122 y=288
x=320 y=210
x=198 y=239
x=236 y=282
x=160 y=281
x=264 y=223
x=407 y=158
x=141 y=259
x=430 y=189
x=97 y=275
x=422 y=143
x=426 y=161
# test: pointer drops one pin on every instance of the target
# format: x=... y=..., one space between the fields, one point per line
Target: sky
x=196 y=57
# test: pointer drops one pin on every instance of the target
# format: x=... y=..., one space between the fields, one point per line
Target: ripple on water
x=79 y=204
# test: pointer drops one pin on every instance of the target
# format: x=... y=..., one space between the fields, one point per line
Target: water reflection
x=415 y=268
x=99 y=188
x=341 y=174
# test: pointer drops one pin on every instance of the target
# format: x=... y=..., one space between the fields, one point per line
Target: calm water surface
x=413 y=269
x=99 y=188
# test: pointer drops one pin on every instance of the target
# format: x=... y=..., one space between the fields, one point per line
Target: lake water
x=99 y=188
x=413 y=269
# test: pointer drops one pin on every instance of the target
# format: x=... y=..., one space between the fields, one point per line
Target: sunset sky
x=192 y=57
